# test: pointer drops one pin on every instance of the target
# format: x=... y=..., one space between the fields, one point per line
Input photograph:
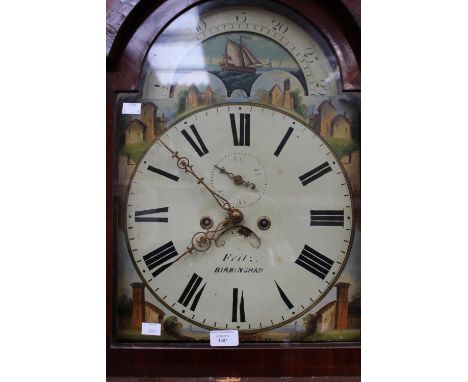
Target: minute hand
x=183 y=163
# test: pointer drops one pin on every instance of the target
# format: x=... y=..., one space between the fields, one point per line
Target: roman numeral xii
x=241 y=137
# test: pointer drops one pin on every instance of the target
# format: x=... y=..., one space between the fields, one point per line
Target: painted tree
x=310 y=323
x=182 y=102
x=299 y=107
x=354 y=305
x=172 y=326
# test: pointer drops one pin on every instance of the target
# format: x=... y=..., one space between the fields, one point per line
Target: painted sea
x=244 y=81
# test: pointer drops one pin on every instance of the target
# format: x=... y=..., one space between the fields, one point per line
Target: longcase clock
x=233 y=188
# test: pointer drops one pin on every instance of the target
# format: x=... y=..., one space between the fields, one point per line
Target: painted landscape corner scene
x=338 y=320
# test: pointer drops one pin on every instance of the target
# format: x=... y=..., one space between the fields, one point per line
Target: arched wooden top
x=132 y=28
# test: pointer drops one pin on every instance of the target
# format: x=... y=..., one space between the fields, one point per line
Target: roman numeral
x=314 y=262
x=243 y=138
x=190 y=290
x=237 y=306
x=159 y=256
x=283 y=141
x=316 y=173
x=284 y=297
x=327 y=218
x=163 y=173
x=139 y=215
x=200 y=148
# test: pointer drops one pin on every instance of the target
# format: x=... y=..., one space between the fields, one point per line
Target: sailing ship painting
x=238 y=58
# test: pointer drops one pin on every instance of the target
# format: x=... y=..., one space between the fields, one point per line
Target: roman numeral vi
x=238 y=306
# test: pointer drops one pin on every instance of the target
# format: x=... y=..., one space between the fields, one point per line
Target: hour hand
x=237 y=179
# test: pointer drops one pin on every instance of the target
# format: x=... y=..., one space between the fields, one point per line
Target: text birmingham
x=238 y=270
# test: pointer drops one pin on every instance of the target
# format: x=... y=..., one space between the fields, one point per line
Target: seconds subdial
x=244 y=165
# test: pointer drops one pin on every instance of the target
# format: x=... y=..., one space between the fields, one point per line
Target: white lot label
x=224 y=338
x=131 y=108
x=151 y=328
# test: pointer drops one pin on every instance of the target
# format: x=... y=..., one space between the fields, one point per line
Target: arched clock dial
x=210 y=40
x=261 y=202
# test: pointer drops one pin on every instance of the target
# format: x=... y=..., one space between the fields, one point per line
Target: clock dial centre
x=236 y=216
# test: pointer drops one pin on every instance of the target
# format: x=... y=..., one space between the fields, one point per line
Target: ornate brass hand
x=201 y=241
x=237 y=179
x=234 y=215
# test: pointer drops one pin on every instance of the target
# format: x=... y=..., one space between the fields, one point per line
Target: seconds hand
x=237 y=179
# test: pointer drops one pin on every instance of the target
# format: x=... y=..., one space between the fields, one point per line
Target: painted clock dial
x=204 y=44
x=297 y=217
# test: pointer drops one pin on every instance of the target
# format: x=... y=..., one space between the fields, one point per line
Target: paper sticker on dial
x=245 y=237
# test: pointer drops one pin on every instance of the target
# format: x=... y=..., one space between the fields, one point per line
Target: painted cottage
x=340 y=127
x=326 y=114
x=275 y=95
x=135 y=132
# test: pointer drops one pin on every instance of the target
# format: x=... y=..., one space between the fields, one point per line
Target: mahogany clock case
x=325 y=338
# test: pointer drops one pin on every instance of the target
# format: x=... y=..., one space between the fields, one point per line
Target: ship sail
x=238 y=58
x=249 y=58
x=234 y=54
